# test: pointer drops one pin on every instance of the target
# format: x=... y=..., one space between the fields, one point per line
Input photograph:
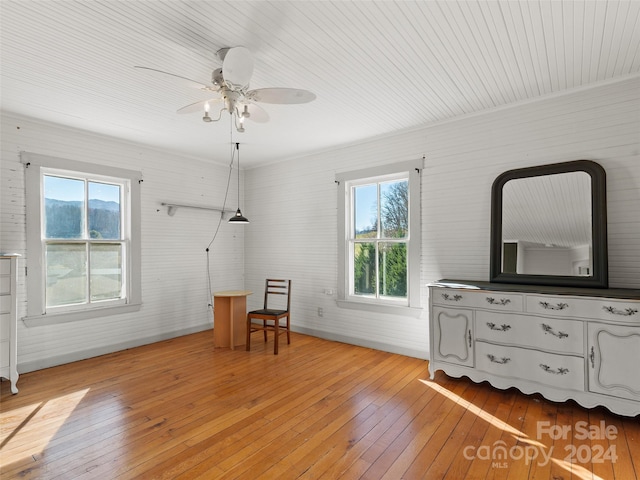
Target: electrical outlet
x=320 y=312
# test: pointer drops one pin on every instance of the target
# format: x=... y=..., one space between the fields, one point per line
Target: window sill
x=74 y=316
x=405 y=311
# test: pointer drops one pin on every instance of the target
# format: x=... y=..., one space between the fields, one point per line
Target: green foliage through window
x=380 y=230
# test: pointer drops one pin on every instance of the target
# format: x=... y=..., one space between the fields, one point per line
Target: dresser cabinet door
x=614 y=360
x=453 y=335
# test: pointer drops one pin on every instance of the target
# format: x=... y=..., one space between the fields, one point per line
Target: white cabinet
x=565 y=343
x=8 y=319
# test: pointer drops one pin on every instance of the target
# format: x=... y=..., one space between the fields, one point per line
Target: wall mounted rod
x=172 y=207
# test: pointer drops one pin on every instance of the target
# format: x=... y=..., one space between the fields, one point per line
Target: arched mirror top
x=549 y=225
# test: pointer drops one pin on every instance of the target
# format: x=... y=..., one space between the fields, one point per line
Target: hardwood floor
x=178 y=409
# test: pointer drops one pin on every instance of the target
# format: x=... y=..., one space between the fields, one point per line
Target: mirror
x=549 y=226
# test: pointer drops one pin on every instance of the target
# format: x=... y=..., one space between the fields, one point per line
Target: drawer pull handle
x=501 y=361
x=557 y=306
x=549 y=329
x=627 y=312
x=469 y=337
x=592 y=357
x=501 y=328
x=502 y=301
x=455 y=298
x=558 y=371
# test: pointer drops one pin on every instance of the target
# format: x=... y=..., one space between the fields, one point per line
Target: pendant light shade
x=238 y=218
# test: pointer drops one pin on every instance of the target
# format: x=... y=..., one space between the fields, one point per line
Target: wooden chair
x=271 y=316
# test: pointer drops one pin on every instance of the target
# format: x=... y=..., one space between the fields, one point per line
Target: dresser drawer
x=5 y=326
x=5 y=303
x=507 y=302
x=549 y=334
x=5 y=284
x=5 y=266
x=561 y=371
x=4 y=354
x=595 y=308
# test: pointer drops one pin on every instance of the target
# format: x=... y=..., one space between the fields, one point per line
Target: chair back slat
x=277 y=287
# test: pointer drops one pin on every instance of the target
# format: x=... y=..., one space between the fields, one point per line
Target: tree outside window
x=379 y=239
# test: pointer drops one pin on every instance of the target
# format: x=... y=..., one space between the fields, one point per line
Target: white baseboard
x=385 y=347
x=25 y=367
x=40 y=364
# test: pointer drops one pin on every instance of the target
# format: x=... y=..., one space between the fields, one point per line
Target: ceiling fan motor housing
x=216 y=77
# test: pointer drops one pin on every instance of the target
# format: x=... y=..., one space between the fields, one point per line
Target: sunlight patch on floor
x=496 y=422
x=21 y=438
x=545 y=452
x=577 y=472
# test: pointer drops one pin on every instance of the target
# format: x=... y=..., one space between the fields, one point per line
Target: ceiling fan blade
x=198 y=106
x=281 y=95
x=257 y=113
x=199 y=84
x=237 y=66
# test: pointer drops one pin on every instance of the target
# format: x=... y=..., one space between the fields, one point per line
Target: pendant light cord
x=224 y=207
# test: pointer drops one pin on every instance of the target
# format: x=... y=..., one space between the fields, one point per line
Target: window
x=83 y=240
x=379 y=236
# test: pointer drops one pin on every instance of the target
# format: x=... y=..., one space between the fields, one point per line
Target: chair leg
x=264 y=324
x=276 y=325
x=288 y=331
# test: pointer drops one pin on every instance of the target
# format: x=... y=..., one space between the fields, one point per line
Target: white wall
x=292 y=208
x=292 y=204
x=174 y=274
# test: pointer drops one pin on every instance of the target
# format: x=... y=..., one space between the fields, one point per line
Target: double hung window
x=83 y=241
x=379 y=235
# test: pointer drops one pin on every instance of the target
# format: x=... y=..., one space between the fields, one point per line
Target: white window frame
x=411 y=171
x=37 y=166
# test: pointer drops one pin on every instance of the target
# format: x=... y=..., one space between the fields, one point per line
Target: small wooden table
x=230 y=318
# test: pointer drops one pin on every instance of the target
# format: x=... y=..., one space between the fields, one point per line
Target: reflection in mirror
x=549 y=225
x=546 y=225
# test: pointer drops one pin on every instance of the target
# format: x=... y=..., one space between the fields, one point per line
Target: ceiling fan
x=230 y=89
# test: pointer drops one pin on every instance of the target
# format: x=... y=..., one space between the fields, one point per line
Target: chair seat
x=268 y=311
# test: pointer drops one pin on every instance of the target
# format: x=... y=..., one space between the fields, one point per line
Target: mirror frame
x=600 y=277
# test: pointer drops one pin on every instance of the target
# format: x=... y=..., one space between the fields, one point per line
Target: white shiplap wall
x=292 y=205
x=174 y=263
x=292 y=208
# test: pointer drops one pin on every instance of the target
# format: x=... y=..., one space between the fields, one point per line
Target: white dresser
x=8 y=319
x=562 y=342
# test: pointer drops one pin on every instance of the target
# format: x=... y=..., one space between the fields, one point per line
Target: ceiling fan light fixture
x=230 y=84
x=206 y=117
x=240 y=123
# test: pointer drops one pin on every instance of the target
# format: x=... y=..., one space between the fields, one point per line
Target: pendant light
x=238 y=218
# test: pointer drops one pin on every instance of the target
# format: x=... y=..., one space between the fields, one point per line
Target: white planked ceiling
x=376 y=67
